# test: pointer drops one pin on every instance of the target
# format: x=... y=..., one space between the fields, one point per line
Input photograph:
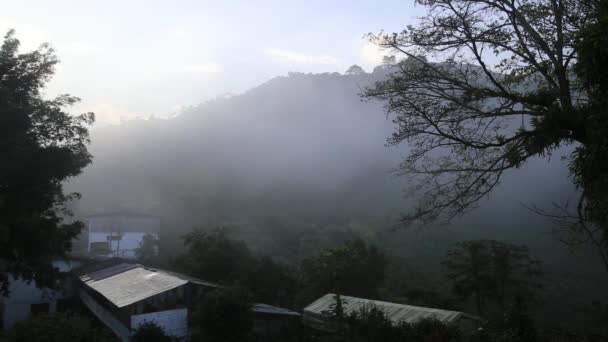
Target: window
x=40 y=308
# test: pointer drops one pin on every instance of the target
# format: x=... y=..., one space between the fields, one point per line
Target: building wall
x=125 y=247
x=173 y=322
x=105 y=316
x=22 y=295
x=130 y=229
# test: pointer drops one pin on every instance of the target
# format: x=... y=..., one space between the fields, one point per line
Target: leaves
x=42 y=146
x=488 y=269
x=485 y=86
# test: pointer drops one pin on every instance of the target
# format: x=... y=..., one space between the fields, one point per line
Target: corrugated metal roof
x=124 y=284
x=397 y=313
x=273 y=310
x=191 y=279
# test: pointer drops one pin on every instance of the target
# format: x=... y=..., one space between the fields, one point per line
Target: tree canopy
x=215 y=257
x=489 y=84
x=59 y=327
x=149 y=331
x=353 y=269
x=225 y=315
x=491 y=270
x=41 y=146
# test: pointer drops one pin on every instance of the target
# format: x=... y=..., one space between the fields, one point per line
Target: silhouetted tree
x=225 y=315
x=148 y=249
x=215 y=257
x=353 y=269
x=468 y=266
x=272 y=283
x=513 y=272
x=489 y=84
x=355 y=70
x=59 y=327
x=491 y=270
x=150 y=332
x=41 y=147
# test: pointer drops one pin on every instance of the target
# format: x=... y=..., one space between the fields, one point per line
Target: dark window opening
x=40 y=308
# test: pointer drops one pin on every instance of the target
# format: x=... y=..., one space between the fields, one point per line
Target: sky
x=136 y=59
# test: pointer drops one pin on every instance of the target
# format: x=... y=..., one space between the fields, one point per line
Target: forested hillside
x=299 y=164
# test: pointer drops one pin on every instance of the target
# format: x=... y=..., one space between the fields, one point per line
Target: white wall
x=16 y=307
x=132 y=229
x=106 y=317
x=173 y=322
x=125 y=247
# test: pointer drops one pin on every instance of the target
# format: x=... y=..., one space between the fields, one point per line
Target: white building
x=120 y=234
x=26 y=298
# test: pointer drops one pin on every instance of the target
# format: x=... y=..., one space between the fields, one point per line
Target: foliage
x=59 y=327
x=150 y=332
x=213 y=256
x=467 y=264
x=41 y=146
x=589 y=166
x=371 y=324
x=148 y=249
x=518 y=325
x=490 y=270
x=355 y=70
x=272 y=283
x=354 y=269
x=468 y=119
x=225 y=315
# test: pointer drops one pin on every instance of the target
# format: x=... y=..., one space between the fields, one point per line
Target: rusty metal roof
x=314 y=313
x=124 y=284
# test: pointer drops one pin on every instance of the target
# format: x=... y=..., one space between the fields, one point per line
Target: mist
x=302 y=158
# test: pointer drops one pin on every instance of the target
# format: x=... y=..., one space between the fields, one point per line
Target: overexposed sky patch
x=203 y=68
x=288 y=56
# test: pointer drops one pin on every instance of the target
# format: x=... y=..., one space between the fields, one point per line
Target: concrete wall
x=131 y=230
x=174 y=322
x=105 y=316
x=17 y=306
x=125 y=248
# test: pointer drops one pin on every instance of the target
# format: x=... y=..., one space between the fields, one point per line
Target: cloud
x=204 y=68
x=109 y=114
x=370 y=54
x=287 y=56
x=77 y=49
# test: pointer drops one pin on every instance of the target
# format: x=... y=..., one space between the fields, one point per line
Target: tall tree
x=489 y=270
x=487 y=85
x=225 y=315
x=41 y=146
x=215 y=257
x=147 y=250
x=353 y=269
x=513 y=271
x=467 y=265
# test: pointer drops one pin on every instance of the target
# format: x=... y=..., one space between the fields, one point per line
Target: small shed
x=315 y=315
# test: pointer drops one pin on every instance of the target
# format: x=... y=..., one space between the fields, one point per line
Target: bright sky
x=129 y=58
